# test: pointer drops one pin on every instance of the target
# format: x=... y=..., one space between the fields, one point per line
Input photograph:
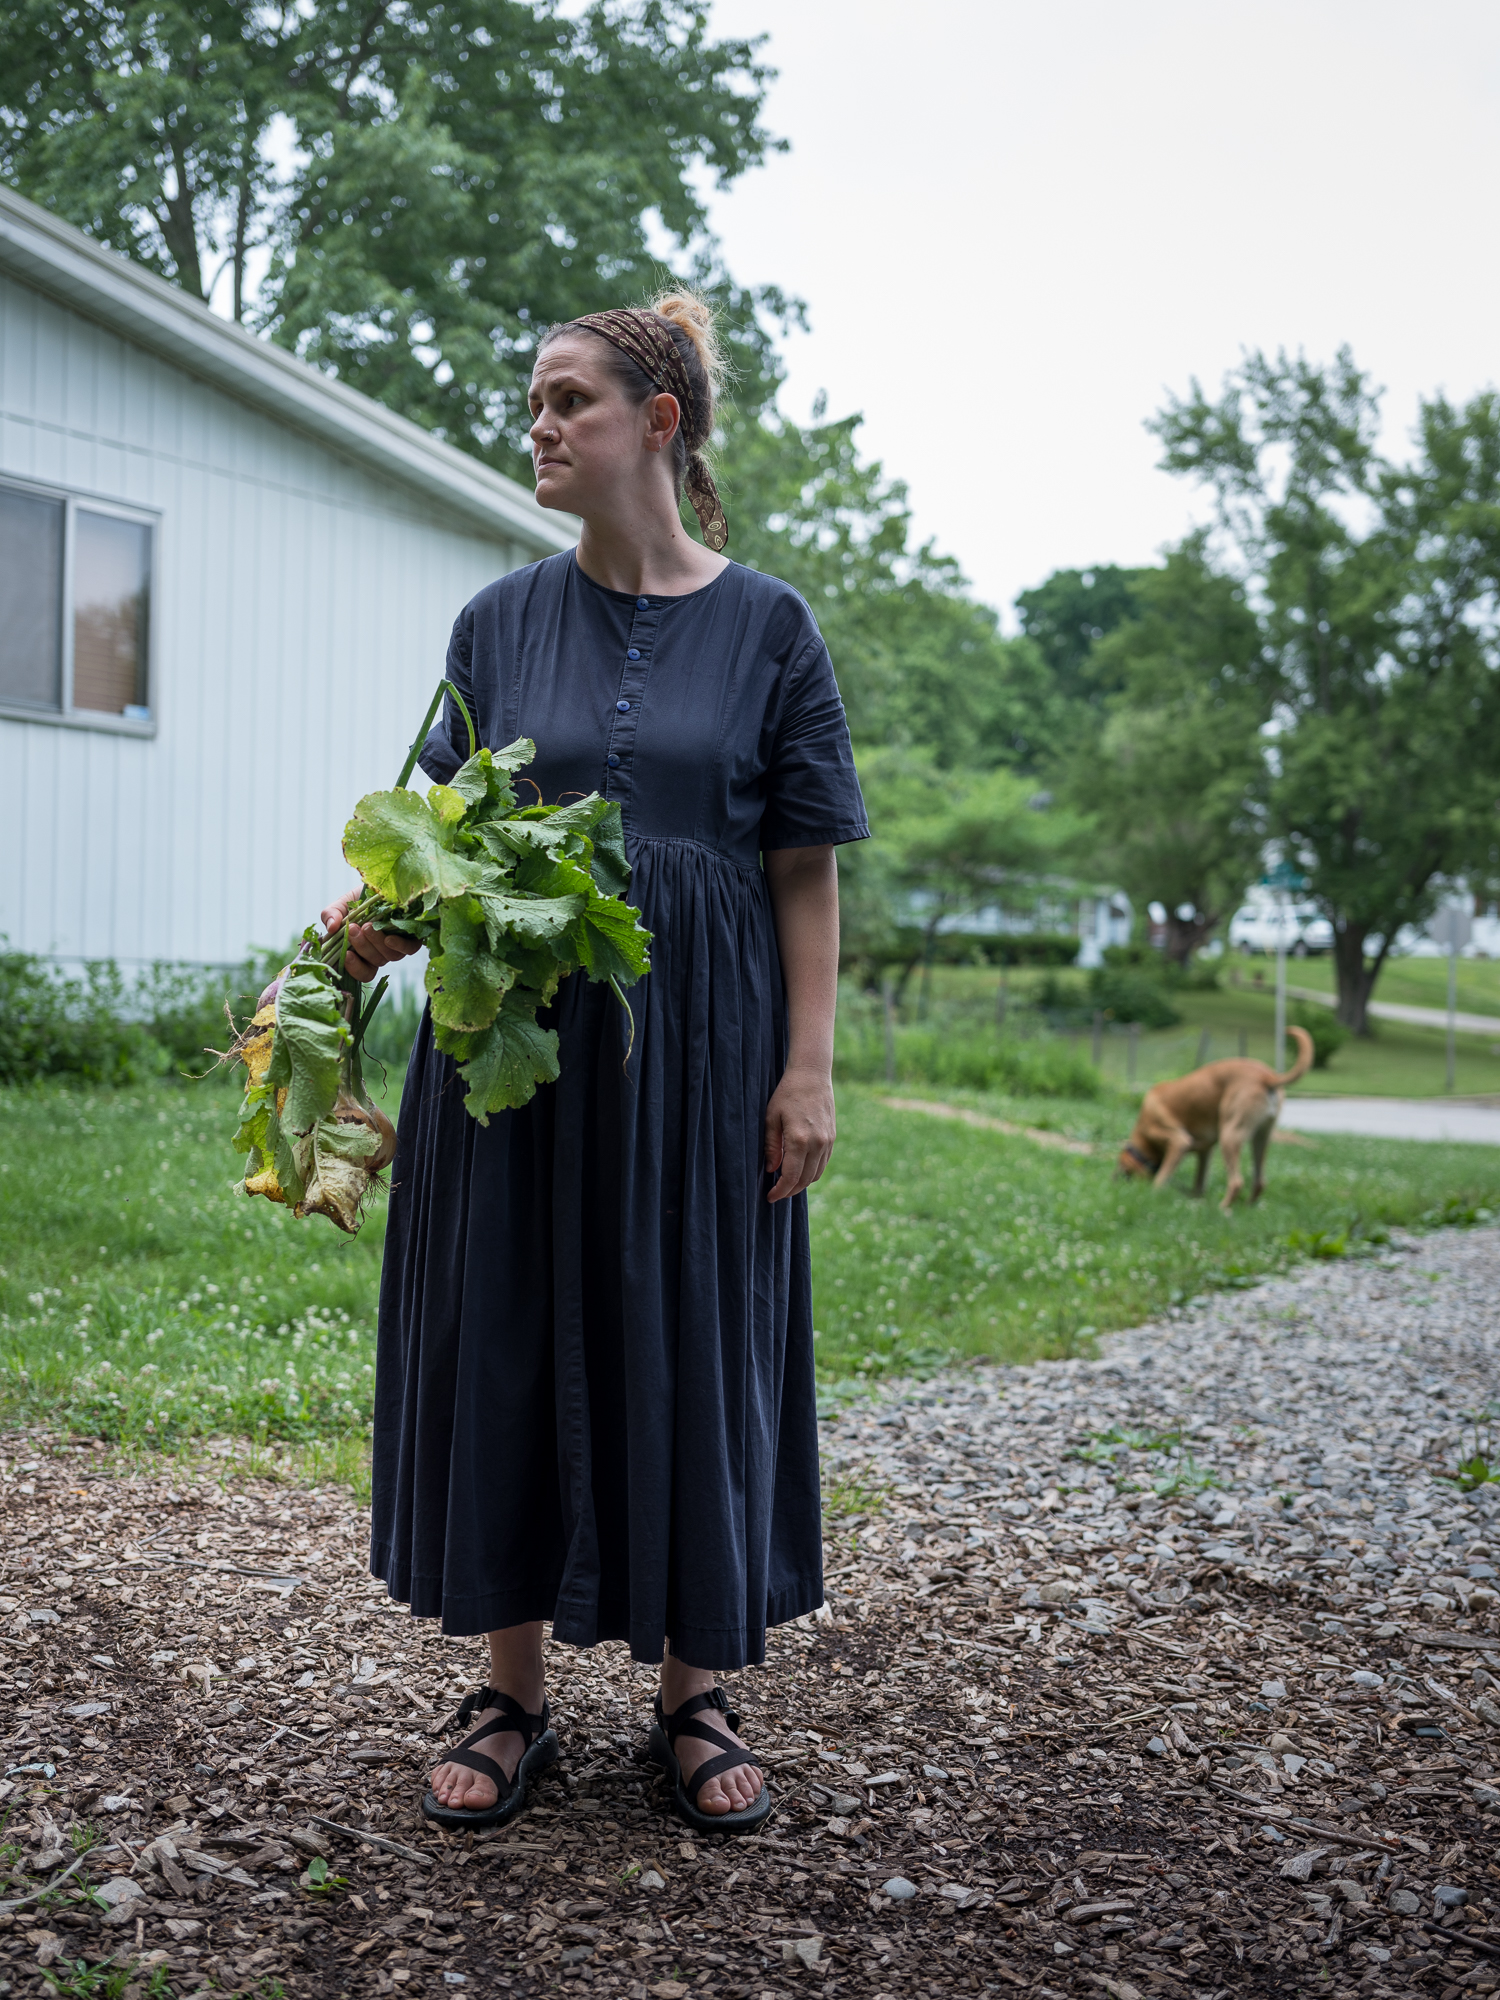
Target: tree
x=947 y=845
x=919 y=662
x=462 y=171
x=1173 y=769
x=428 y=184
x=1066 y=616
x=1378 y=589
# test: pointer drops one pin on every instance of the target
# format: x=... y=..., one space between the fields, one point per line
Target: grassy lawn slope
x=142 y=1298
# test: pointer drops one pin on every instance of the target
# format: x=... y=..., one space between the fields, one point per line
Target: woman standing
x=595 y=1392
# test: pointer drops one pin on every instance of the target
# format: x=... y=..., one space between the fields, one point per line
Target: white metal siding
x=302 y=615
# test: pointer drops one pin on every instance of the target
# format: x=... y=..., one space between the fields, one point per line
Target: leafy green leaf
x=449 y=805
x=309 y=1041
x=544 y=874
x=484 y=782
x=293 y=1163
x=404 y=850
x=465 y=978
x=502 y=1067
x=610 y=866
x=529 y=919
x=611 y=943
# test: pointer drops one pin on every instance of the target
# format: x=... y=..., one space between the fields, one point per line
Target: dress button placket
x=620 y=741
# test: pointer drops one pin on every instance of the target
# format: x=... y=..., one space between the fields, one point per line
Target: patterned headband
x=643 y=337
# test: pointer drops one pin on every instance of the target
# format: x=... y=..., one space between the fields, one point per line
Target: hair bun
x=692 y=314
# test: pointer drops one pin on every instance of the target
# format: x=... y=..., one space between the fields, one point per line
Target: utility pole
x=1281 y=917
x=1452 y=926
x=1283 y=878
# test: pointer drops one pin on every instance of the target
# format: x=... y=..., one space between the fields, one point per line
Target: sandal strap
x=679 y=1720
x=511 y=1719
x=475 y=1760
x=527 y=1727
x=715 y=1767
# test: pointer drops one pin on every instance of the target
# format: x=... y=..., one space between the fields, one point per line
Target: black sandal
x=664 y=1733
x=540 y=1749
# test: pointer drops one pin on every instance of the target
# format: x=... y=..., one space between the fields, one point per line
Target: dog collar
x=1141 y=1160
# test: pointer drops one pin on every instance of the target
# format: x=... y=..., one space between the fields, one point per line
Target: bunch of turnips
x=509 y=899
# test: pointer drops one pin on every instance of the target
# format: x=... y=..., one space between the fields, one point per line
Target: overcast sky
x=1016 y=227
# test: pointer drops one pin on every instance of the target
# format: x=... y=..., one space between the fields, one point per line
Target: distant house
x=226 y=588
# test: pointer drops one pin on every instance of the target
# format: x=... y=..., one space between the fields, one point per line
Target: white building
x=226 y=588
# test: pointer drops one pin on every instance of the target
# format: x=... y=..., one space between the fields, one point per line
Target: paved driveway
x=1395 y=1117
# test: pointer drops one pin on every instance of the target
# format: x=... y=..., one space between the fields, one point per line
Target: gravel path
x=1211 y=1709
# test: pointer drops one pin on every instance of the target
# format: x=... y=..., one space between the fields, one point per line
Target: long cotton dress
x=594 y=1391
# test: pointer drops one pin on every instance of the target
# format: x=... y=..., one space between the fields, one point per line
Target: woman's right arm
x=369 y=949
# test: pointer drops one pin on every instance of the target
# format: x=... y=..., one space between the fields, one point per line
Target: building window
x=75 y=609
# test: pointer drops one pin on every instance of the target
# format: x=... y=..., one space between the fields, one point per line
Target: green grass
x=1413 y=982
x=1395 y=1060
x=935 y=1240
x=142 y=1299
x=144 y=1302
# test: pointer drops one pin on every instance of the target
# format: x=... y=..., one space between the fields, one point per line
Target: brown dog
x=1223 y=1104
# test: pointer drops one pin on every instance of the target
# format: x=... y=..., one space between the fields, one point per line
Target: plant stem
x=444 y=686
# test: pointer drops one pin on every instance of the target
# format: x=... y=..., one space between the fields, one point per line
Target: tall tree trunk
x=179 y=226
x=1356 y=979
x=241 y=231
x=1186 y=934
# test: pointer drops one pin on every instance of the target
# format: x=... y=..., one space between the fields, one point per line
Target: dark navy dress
x=594 y=1394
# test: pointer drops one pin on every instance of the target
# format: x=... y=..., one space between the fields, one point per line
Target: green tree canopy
x=1378 y=591
x=919 y=662
x=1066 y=616
x=949 y=844
x=432 y=180
x=1173 y=767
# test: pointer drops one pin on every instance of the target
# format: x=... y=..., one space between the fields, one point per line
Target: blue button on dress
x=594 y=1386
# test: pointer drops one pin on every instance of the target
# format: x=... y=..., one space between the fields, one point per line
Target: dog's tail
x=1304 y=1060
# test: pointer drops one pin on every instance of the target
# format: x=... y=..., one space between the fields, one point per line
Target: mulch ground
x=198 y=1668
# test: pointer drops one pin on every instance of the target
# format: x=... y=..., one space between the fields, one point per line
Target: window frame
x=67 y=716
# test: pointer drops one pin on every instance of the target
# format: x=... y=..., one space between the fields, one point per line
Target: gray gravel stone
x=898 y=1889
x=1291 y=1434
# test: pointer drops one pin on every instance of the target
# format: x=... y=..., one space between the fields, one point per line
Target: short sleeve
x=447 y=745
x=812 y=793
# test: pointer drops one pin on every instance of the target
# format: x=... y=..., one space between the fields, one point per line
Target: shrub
x=1126 y=993
x=57 y=1026
x=1040 y=1066
x=1033 y=948
x=98 y=1029
x=1328 y=1033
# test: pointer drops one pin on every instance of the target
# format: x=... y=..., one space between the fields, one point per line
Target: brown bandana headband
x=643 y=336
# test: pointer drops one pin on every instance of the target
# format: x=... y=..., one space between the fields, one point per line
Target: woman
x=594 y=1398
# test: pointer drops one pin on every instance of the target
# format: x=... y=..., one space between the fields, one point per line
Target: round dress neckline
x=633 y=597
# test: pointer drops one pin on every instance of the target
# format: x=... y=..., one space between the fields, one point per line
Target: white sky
x=1016 y=226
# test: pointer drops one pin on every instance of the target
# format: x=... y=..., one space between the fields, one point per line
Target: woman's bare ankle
x=679 y=1682
x=518 y=1665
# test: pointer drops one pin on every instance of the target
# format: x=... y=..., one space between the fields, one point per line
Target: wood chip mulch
x=196 y=1666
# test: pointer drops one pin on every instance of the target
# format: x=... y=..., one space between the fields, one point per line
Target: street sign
x=1284 y=876
x=1452 y=926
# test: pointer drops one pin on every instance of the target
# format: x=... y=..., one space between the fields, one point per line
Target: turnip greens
x=509 y=899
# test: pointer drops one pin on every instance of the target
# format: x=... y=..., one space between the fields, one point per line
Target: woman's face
x=591 y=447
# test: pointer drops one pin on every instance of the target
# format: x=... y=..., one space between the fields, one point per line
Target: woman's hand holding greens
x=369 y=949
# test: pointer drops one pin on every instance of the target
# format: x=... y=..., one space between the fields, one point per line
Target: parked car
x=1256 y=927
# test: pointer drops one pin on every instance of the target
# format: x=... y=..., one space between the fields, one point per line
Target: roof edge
x=54 y=258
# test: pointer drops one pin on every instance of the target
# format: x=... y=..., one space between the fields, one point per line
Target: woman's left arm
x=804 y=885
